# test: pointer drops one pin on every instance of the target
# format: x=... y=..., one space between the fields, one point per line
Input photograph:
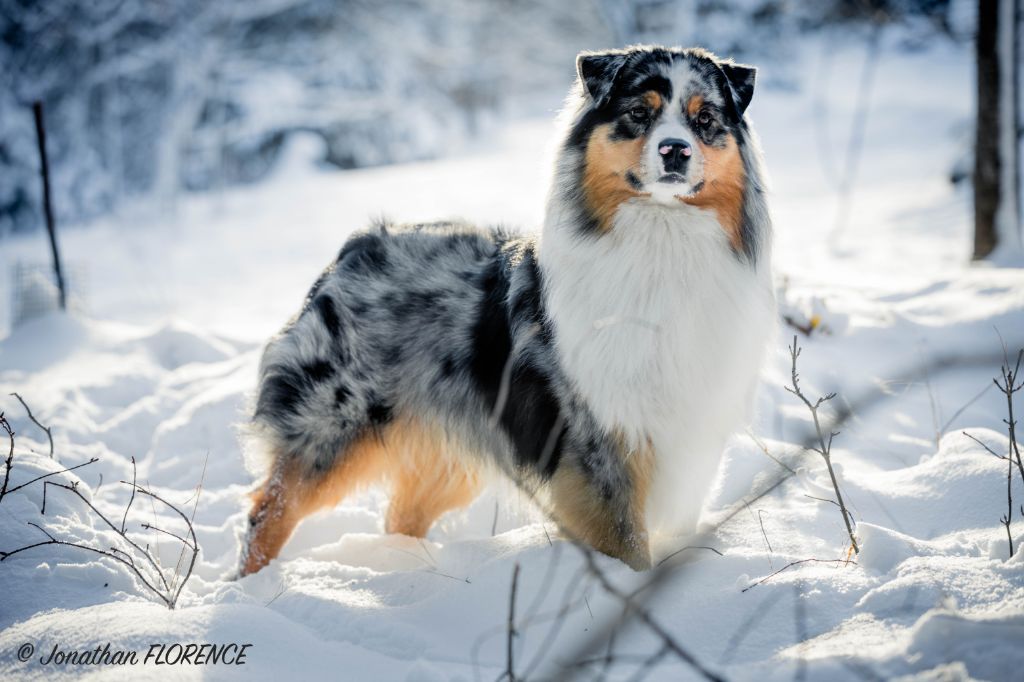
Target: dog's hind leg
x=427 y=480
x=293 y=490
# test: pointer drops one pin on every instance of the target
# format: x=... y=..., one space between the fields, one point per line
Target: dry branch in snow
x=1010 y=385
x=49 y=434
x=824 y=447
x=138 y=559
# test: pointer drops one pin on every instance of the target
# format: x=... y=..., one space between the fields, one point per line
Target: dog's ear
x=741 y=80
x=597 y=72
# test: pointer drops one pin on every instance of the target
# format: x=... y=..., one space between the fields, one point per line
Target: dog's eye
x=704 y=119
x=639 y=114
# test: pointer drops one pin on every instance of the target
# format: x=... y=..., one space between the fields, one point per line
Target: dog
x=601 y=365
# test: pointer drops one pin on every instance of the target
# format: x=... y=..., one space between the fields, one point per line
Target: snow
x=160 y=363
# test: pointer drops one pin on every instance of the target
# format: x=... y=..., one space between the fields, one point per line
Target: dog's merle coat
x=519 y=351
x=420 y=319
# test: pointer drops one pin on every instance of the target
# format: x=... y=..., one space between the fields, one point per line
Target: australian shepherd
x=601 y=365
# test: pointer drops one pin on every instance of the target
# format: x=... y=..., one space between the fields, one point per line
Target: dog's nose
x=674 y=154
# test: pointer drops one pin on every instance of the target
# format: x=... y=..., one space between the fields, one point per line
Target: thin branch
x=797 y=563
x=124 y=519
x=53 y=473
x=976 y=398
x=9 y=462
x=825 y=447
x=764 y=448
x=35 y=421
x=760 y=520
x=683 y=549
x=510 y=670
x=191 y=532
x=648 y=620
x=1010 y=385
x=74 y=489
x=111 y=555
x=990 y=450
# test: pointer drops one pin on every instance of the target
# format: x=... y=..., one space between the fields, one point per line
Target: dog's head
x=662 y=125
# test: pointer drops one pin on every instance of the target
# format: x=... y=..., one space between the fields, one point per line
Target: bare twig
x=987 y=448
x=976 y=398
x=644 y=617
x=510 y=670
x=760 y=520
x=115 y=555
x=824 y=447
x=797 y=563
x=9 y=462
x=52 y=473
x=192 y=517
x=155 y=580
x=73 y=489
x=1009 y=504
x=1010 y=385
x=49 y=434
x=192 y=545
x=124 y=519
x=683 y=549
x=764 y=448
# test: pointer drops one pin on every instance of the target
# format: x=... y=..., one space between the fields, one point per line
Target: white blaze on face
x=673 y=124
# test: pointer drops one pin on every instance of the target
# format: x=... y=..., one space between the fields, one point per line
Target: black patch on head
x=324 y=306
x=449 y=365
x=638 y=71
x=734 y=82
x=634 y=181
x=364 y=254
x=530 y=417
x=317 y=286
x=280 y=394
x=635 y=73
x=341 y=395
x=318 y=370
x=741 y=81
x=379 y=413
x=597 y=73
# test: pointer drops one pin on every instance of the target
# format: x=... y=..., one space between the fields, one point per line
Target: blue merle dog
x=601 y=364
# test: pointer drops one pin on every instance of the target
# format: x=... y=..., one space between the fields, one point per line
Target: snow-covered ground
x=160 y=363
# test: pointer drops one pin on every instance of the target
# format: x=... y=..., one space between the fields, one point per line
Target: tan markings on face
x=693 y=105
x=604 y=178
x=724 y=181
x=652 y=99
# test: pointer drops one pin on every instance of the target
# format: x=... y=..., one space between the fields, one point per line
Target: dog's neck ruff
x=660 y=327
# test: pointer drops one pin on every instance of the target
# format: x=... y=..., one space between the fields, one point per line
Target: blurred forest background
x=148 y=99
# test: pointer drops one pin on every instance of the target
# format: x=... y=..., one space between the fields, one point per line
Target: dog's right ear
x=597 y=72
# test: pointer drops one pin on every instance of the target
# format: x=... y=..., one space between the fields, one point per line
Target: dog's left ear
x=597 y=72
x=741 y=79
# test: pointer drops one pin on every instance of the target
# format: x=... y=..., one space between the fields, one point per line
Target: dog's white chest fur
x=662 y=330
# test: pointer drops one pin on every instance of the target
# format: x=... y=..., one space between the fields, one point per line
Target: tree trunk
x=986 y=141
x=997 y=206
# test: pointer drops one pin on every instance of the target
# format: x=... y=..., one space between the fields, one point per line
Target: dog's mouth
x=694 y=191
x=672 y=179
